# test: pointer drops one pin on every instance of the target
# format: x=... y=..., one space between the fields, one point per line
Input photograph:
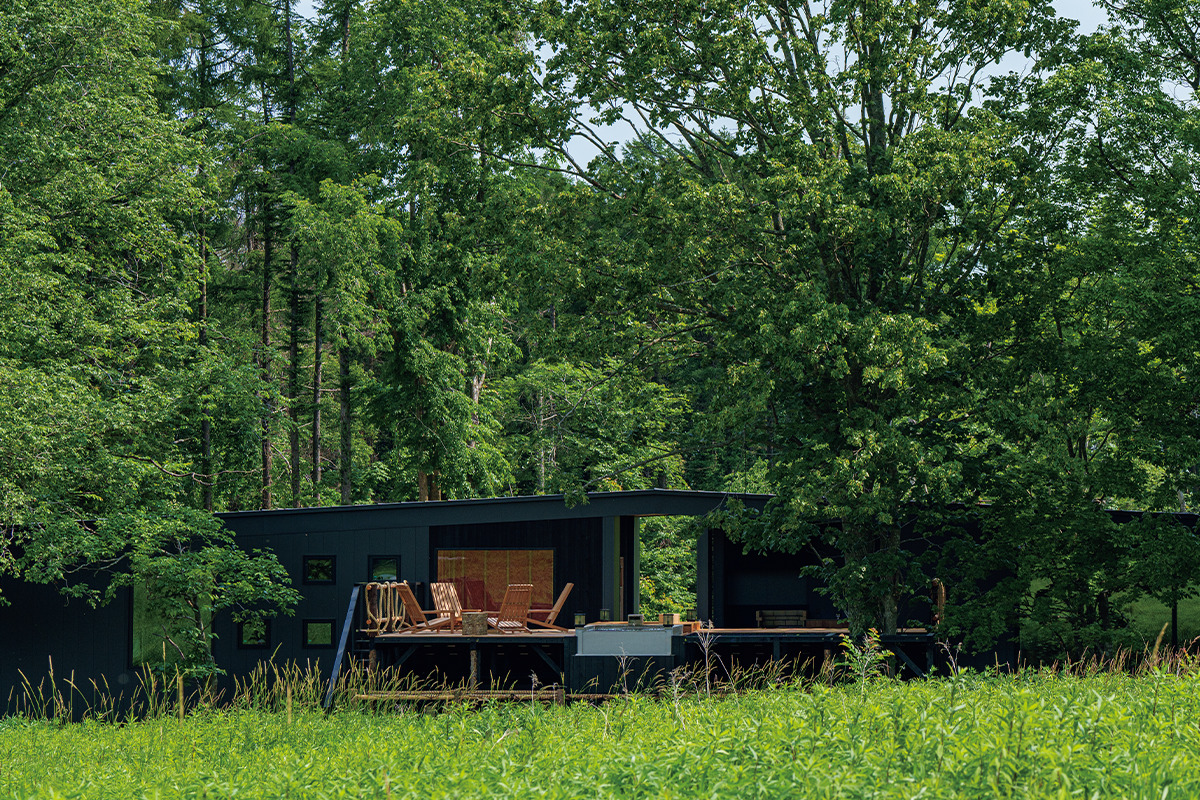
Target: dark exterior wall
x=732 y=585
x=352 y=549
x=40 y=627
x=756 y=582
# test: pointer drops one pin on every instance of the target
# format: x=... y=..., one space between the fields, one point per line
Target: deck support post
x=911 y=664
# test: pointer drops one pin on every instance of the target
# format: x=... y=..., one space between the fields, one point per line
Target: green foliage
x=188 y=582
x=98 y=363
x=668 y=565
x=865 y=659
x=841 y=186
x=601 y=427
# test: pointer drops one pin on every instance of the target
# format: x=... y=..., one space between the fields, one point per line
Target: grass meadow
x=1048 y=733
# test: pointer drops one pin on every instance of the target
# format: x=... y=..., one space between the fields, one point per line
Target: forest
x=890 y=261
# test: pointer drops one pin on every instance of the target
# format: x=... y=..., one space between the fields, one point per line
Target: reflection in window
x=383 y=568
x=481 y=576
x=319 y=569
x=254 y=634
x=318 y=633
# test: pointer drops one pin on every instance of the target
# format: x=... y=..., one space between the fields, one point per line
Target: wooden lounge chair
x=558 y=604
x=514 y=609
x=445 y=600
x=418 y=619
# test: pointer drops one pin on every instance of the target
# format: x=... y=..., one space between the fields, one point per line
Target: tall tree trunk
x=268 y=406
x=318 y=345
x=889 y=616
x=291 y=62
x=294 y=300
x=476 y=390
x=540 y=405
x=545 y=411
x=346 y=433
x=346 y=456
x=294 y=375
x=264 y=353
x=865 y=606
x=206 y=469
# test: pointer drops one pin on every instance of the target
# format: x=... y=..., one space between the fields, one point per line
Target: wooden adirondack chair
x=445 y=600
x=514 y=609
x=417 y=619
x=553 y=615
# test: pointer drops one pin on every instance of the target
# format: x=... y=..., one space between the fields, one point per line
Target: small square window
x=383 y=568
x=318 y=633
x=254 y=634
x=320 y=569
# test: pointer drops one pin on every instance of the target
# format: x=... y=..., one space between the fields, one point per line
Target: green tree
x=458 y=101
x=1088 y=398
x=93 y=317
x=834 y=181
x=572 y=426
x=345 y=240
x=97 y=328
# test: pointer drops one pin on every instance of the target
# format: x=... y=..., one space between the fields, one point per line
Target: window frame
x=304 y=636
x=242 y=644
x=371 y=559
x=304 y=573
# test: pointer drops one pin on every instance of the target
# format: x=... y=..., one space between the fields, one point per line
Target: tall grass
x=269 y=687
x=1073 y=730
x=1038 y=733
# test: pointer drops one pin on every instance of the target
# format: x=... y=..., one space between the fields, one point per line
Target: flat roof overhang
x=524 y=508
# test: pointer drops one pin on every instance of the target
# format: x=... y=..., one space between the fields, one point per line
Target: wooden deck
x=457 y=637
x=729 y=635
x=580 y=663
x=501 y=659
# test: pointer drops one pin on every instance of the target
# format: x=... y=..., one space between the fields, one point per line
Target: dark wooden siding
x=40 y=628
x=351 y=547
x=732 y=585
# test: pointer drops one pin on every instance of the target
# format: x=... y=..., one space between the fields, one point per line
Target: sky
x=1089 y=15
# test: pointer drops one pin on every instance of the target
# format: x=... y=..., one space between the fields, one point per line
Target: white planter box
x=625 y=640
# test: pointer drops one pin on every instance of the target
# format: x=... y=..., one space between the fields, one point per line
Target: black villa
x=541 y=540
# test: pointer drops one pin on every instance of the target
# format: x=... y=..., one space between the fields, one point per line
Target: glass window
x=481 y=576
x=318 y=633
x=254 y=634
x=383 y=568
x=320 y=569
